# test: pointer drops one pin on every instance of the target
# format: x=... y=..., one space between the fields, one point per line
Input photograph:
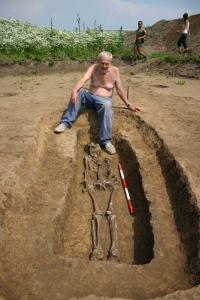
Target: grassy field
x=21 y=40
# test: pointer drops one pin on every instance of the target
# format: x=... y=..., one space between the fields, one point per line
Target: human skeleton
x=99 y=175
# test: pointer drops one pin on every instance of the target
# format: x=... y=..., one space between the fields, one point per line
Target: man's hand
x=74 y=98
x=135 y=108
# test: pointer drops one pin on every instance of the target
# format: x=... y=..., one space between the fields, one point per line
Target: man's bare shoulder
x=90 y=70
x=92 y=66
x=114 y=69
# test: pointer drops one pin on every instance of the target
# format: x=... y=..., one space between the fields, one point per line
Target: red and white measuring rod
x=130 y=205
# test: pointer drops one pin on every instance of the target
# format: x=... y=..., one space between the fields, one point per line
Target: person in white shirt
x=185 y=31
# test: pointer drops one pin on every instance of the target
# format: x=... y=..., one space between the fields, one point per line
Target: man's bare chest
x=104 y=80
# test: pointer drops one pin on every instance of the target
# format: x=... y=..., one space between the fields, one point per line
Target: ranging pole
x=130 y=205
x=127 y=91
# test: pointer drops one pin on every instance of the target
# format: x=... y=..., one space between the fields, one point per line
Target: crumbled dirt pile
x=162 y=37
x=193 y=40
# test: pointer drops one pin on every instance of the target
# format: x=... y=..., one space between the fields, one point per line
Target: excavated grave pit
x=51 y=220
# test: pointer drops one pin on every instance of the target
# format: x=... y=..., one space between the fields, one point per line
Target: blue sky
x=110 y=14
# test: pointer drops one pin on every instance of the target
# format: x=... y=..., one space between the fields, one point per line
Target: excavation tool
x=130 y=205
x=127 y=91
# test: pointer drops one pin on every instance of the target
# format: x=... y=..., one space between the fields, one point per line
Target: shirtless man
x=103 y=77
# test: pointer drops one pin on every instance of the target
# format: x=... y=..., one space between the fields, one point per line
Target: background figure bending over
x=139 y=42
x=185 y=31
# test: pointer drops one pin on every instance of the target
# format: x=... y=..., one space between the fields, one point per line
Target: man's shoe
x=134 y=63
x=60 y=128
x=145 y=59
x=110 y=148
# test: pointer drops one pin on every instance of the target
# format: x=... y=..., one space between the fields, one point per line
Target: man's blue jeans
x=103 y=106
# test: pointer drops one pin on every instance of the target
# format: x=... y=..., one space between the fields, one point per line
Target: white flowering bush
x=22 y=39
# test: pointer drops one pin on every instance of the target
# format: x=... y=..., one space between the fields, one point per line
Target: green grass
x=180 y=82
x=155 y=55
x=169 y=58
x=51 y=63
x=178 y=59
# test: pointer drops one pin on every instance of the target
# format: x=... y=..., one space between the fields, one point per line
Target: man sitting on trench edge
x=103 y=77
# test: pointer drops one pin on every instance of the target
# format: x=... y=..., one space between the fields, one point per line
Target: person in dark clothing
x=185 y=31
x=139 y=42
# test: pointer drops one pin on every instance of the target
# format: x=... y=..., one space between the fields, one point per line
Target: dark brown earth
x=45 y=217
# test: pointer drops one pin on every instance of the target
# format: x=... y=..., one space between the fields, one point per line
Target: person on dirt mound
x=103 y=77
x=185 y=31
x=139 y=42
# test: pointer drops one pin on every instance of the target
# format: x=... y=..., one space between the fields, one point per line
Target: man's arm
x=80 y=83
x=122 y=94
x=142 y=37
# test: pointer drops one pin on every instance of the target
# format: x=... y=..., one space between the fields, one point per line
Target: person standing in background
x=141 y=34
x=185 y=32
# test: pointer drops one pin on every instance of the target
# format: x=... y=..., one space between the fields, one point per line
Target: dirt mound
x=193 y=40
x=162 y=35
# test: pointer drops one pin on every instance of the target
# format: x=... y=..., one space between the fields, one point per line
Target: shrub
x=29 y=41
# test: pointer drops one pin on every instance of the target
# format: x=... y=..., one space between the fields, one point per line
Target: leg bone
x=114 y=249
x=97 y=252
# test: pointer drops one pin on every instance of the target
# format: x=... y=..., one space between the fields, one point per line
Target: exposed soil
x=45 y=217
